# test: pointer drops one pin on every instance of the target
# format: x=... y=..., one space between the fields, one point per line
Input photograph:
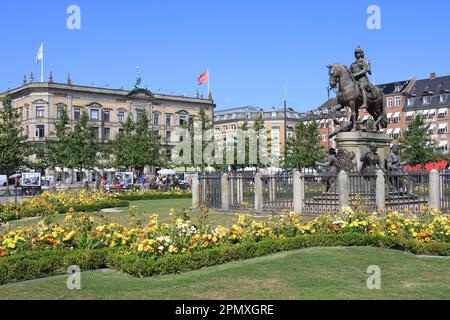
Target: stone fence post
x=195 y=192
x=343 y=189
x=380 y=191
x=434 y=190
x=225 y=192
x=298 y=191
x=258 y=193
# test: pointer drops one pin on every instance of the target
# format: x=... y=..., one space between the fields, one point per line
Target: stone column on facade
x=434 y=189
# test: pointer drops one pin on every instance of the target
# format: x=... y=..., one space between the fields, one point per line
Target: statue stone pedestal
x=358 y=142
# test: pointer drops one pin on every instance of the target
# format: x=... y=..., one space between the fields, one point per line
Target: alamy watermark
x=74 y=20
x=374 y=280
x=374 y=19
x=74 y=280
x=241 y=147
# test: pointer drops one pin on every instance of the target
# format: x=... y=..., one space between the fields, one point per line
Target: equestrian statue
x=357 y=92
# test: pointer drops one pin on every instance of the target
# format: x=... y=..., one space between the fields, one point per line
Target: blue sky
x=252 y=48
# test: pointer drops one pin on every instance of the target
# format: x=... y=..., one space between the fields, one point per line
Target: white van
x=3 y=180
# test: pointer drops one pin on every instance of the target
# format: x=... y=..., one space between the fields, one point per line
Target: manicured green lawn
x=319 y=273
x=149 y=207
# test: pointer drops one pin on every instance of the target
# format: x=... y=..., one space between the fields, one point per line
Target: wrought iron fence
x=242 y=191
x=277 y=192
x=407 y=191
x=320 y=193
x=211 y=190
x=445 y=190
x=362 y=189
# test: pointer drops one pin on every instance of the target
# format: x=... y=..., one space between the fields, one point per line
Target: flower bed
x=160 y=248
x=60 y=202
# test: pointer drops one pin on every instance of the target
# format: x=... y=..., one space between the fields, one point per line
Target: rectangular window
x=443 y=113
x=168 y=135
x=410 y=101
x=40 y=131
x=106 y=134
x=121 y=116
x=77 y=113
x=443 y=97
x=183 y=119
x=156 y=118
x=106 y=116
x=97 y=132
x=389 y=102
x=59 y=111
x=426 y=99
x=40 y=112
x=168 y=120
x=95 y=114
x=397 y=101
x=443 y=129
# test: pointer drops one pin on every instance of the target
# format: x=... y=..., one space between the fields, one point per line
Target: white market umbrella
x=166 y=172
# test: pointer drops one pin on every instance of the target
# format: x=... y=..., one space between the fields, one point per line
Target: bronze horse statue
x=349 y=95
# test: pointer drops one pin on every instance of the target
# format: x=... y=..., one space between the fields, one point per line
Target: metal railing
x=362 y=189
x=320 y=193
x=211 y=189
x=407 y=191
x=278 y=192
x=444 y=181
x=242 y=190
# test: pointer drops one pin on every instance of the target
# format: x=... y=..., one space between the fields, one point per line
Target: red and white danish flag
x=203 y=78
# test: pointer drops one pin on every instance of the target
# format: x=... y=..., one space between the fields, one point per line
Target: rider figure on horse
x=360 y=70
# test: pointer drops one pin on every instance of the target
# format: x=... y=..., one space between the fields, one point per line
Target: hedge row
x=153 y=196
x=11 y=215
x=32 y=265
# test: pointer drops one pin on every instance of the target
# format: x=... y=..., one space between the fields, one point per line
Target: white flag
x=40 y=54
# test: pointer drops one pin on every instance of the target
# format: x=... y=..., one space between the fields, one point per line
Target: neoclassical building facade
x=40 y=104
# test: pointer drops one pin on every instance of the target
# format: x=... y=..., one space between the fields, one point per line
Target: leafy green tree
x=418 y=146
x=58 y=145
x=205 y=124
x=82 y=145
x=304 y=149
x=13 y=147
x=137 y=145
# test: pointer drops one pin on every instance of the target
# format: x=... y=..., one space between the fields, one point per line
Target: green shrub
x=153 y=196
x=40 y=212
x=145 y=267
x=38 y=264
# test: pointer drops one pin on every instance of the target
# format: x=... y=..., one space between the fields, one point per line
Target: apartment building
x=40 y=104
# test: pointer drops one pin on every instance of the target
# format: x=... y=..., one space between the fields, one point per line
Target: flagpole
x=208 y=83
x=42 y=64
